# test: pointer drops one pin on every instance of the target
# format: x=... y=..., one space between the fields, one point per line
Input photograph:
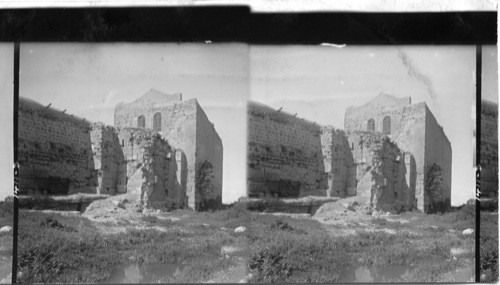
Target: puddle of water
x=381 y=273
x=136 y=273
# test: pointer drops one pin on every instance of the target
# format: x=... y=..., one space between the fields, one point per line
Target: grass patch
x=275 y=249
x=6 y=238
x=459 y=220
x=489 y=247
x=50 y=253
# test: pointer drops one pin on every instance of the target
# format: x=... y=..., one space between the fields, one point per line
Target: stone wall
x=356 y=118
x=437 y=150
x=284 y=154
x=489 y=150
x=55 y=151
x=149 y=159
x=152 y=102
x=384 y=172
x=108 y=160
x=209 y=148
x=339 y=163
x=178 y=180
x=411 y=137
x=179 y=127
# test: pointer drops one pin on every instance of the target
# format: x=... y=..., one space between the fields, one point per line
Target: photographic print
x=257 y=164
x=230 y=146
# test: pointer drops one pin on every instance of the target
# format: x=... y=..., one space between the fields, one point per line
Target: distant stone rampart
x=55 y=151
x=284 y=153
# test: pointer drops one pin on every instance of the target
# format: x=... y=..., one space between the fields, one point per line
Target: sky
x=317 y=82
x=6 y=120
x=490 y=74
x=320 y=82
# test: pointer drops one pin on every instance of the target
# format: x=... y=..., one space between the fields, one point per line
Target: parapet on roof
x=32 y=106
x=389 y=100
x=154 y=96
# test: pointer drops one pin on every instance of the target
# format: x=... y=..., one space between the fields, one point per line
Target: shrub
x=281 y=225
x=380 y=221
x=268 y=264
x=235 y=216
x=462 y=219
x=6 y=208
x=489 y=247
x=489 y=263
x=205 y=183
x=150 y=219
x=54 y=223
x=434 y=186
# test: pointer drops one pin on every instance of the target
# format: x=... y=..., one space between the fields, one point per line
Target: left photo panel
x=125 y=151
x=6 y=161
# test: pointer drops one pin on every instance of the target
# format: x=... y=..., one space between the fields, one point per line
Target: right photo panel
x=488 y=148
x=370 y=151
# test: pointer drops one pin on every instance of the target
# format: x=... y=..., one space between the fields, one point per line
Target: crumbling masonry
x=153 y=153
x=384 y=155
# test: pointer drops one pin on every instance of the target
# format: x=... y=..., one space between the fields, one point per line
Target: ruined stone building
x=155 y=152
x=184 y=125
x=384 y=154
x=414 y=129
x=489 y=150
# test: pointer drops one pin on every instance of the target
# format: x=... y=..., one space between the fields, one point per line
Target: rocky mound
x=120 y=206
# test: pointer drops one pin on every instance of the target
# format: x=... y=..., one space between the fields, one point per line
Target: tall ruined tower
x=187 y=128
x=415 y=130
